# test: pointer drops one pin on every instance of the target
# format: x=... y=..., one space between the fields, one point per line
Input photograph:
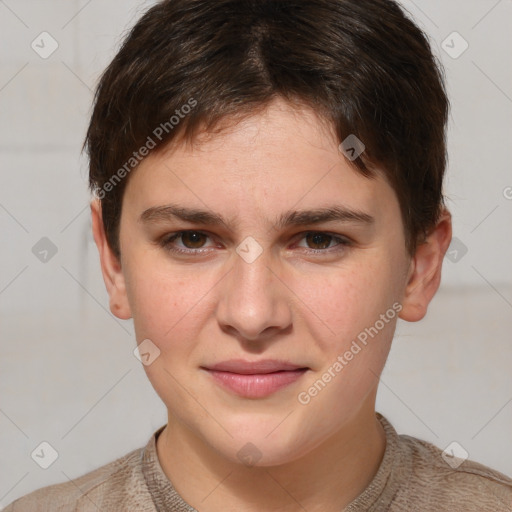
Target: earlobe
x=424 y=274
x=110 y=266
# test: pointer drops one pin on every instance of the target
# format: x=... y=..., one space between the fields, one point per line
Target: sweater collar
x=379 y=492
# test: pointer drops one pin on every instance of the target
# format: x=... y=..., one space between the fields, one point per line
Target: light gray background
x=67 y=372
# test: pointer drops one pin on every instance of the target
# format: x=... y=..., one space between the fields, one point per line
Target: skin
x=291 y=303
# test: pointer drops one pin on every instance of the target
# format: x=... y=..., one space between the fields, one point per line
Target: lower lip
x=256 y=385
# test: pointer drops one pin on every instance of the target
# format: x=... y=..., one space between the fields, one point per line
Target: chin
x=257 y=449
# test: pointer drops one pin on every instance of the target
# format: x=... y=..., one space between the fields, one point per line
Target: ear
x=110 y=266
x=425 y=270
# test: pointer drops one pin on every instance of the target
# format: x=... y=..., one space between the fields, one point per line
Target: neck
x=327 y=478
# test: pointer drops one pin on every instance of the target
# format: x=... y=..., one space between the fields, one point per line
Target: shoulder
x=116 y=483
x=449 y=483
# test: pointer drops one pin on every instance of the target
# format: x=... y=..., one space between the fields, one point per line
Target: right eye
x=191 y=241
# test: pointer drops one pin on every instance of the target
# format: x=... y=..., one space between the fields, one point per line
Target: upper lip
x=254 y=367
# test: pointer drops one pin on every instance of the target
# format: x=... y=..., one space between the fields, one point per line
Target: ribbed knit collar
x=376 y=496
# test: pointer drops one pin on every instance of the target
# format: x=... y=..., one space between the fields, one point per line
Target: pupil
x=194 y=239
x=319 y=239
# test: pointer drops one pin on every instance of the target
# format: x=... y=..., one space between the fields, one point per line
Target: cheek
x=170 y=310
x=359 y=310
x=342 y=304
x=166 y=306
x=351 y=348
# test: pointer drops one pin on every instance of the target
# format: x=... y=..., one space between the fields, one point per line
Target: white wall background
x=67 y=372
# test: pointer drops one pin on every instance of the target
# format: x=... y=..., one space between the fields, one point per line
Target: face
x=261 y=249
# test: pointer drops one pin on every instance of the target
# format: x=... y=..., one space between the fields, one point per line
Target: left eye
x=320 y=240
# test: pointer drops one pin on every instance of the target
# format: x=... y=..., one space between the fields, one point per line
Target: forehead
x=278 y=159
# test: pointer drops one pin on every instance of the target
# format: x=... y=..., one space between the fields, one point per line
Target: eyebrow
x=290 y=218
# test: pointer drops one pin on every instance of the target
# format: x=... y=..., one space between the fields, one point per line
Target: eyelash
x=167 y=241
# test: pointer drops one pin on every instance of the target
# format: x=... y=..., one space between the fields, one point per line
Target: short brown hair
x=362 y=64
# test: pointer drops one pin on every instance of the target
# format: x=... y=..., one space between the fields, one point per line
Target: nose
x=252 y=300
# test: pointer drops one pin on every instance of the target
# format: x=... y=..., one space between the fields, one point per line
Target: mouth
x=256 y=379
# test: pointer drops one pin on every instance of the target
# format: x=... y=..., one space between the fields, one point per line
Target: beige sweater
x=412 y=476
